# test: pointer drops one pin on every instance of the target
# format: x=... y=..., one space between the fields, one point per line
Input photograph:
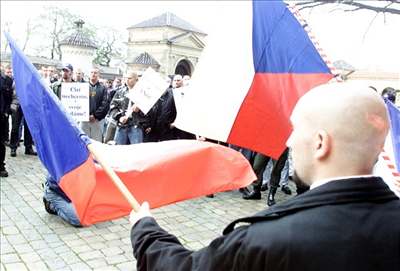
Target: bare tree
x=5 y=28
x=110 y=40
x=379 y=7
x=57 y=23
x=390 y=6
x=29 y=30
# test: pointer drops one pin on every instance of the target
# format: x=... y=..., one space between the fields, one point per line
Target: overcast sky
x=341 y=34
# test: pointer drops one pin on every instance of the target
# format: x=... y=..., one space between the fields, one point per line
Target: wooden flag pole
x=114 y=177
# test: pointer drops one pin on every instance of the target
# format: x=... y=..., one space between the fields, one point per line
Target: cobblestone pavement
x=32 y=239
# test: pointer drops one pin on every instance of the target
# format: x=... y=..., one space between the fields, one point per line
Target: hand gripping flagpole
x=114 y=177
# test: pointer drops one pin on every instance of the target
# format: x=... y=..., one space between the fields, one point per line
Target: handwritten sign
x=75 y=98
x=148 y=90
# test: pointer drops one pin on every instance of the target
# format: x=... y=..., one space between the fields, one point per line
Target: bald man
x=348 y=220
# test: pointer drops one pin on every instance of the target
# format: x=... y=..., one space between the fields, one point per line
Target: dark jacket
x=6 y=93
x=165 y=114
x=343 y=225
x=98 y=103
x=119 y=106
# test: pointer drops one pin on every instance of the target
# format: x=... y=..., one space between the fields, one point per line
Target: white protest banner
x=75 y=98
x=148 y=90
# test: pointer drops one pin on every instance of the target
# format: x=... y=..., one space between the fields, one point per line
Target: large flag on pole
x=160 y=173
x=388 y=165
x=258 y=62
x=394 y=115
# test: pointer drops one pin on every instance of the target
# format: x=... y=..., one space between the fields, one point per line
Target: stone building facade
x=174 y=44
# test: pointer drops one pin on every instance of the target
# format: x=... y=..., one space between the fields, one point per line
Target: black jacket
x=165 y=114
x=98 y=100
x=119 y=106
x=6 y=93
x=343 y=225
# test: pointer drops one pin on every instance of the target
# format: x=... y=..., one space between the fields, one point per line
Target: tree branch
x=357 y=6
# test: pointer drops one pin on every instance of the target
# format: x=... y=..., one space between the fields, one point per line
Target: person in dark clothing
x=259 y=165
x=390 y=94
x=6 y=91
x=165 y=114
x=17 y=117
x=276 y=176
x=110 y=123
x=344 y=222
x=67 y=71
x=98 y=107
x=179 y=95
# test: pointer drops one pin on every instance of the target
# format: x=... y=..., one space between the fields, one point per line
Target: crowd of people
x=331 y=168
x=10 y=108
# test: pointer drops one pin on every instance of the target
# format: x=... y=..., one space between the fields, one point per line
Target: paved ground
x=31 y=239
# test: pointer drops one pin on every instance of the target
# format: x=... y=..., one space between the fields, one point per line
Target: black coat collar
x=367 y=189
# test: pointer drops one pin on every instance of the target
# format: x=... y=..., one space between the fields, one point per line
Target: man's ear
x=322 y=144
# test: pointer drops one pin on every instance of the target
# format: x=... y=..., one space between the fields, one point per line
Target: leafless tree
x=57 y=23
x=29 y=30
x=5 y=28
x=110 y=40
x=390 y=6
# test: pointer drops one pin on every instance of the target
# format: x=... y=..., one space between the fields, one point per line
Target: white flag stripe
x=223 y=75
x=382 y=169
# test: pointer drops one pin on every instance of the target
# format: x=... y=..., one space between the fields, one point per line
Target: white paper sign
x=75 y=98
x=148 y=90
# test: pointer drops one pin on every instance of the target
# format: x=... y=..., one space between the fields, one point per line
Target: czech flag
x=394 y=140
x=160 y=173
x=258 y=62
x=388 y=165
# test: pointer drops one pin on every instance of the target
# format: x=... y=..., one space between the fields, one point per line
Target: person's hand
x=144 y=211
x=123 y=119
x=135 y=109
x=148 y=130
x=92 y=118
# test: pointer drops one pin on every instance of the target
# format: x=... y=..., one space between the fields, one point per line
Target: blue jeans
x=128 y=135
x=61 y=206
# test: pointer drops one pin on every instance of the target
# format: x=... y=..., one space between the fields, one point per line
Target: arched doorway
x=184 y=67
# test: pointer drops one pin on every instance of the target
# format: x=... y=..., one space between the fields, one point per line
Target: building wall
x=154 y=41
x=78 y=57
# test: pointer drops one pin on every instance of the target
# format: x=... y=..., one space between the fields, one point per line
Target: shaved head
x=339 y=129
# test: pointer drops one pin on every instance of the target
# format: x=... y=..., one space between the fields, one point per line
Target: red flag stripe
x=391 y=166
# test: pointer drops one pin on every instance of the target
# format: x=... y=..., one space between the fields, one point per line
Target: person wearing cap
x=67 y=71
x=98 y=107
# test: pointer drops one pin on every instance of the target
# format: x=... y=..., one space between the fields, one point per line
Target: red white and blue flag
x=259 y=60
x=160 y=173
x=388 y=165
